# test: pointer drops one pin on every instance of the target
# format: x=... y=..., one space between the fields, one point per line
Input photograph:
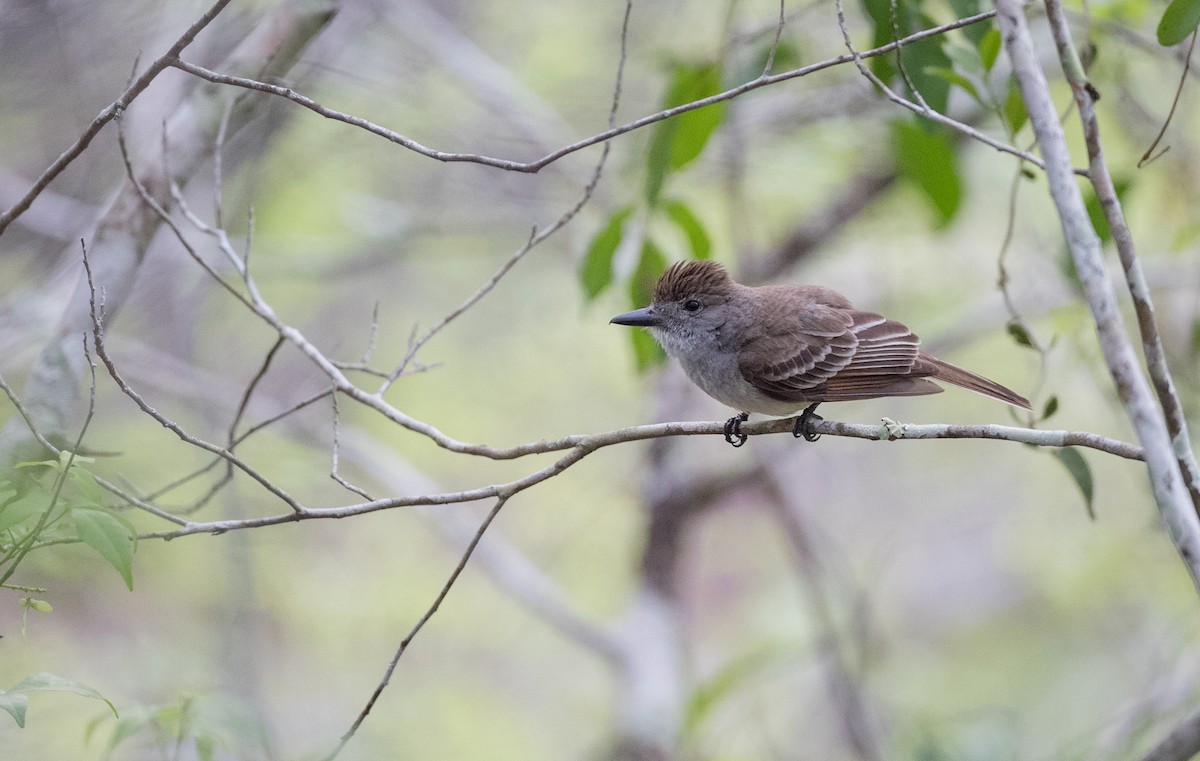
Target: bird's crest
x=691 y=278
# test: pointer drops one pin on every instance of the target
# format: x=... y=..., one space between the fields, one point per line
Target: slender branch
x=1166 y=482
x=922 y=108
x=1150 y=155
x=580 y=446
x=404 y=643
x=102 y=352
x=112 y=111
x=1139 y=290
x=24 y=413
x=537 y=165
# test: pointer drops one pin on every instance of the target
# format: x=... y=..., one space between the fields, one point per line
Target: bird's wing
x=831 y=354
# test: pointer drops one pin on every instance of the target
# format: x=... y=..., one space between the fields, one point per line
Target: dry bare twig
x=532 y=167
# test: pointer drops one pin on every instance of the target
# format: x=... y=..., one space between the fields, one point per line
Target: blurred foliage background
x=839 y=600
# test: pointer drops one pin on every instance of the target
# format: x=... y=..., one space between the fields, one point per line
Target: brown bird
x=777 y=348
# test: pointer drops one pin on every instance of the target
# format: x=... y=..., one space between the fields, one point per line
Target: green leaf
x=989 y=48
x=1096 y=211
x=87 y=485
x=16 y=700
x=921 y=57
x=975 y=32
x=596 y=273
x=725 y=684
x=1073 y=461
x=690 y=224
x=954 y=78
x=41 y=606
x=646 y=351
x=1019 y=334
x=105 y=534
x=16 y=704
x=679 y=140
x=28 y=505
x=1178 y=21
x=1014 y=107
x=927 y=159
x=1050 y=408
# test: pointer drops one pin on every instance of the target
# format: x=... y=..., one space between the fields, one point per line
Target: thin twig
x=1170 y=494
x=1147 y=157
x=337 y=446
x=601 y=137
x=923 y=108
x=581 y=446
x=1139 y=290
x=535 y=237
x=404 y=643
x=24 y=413
x=111 y=112
x=98 y=340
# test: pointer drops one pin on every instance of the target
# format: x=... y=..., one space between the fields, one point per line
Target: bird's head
x=689 y=306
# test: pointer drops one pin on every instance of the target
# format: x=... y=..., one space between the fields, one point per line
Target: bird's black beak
x=638 y=318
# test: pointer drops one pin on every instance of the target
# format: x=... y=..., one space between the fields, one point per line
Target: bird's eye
x=691 y=305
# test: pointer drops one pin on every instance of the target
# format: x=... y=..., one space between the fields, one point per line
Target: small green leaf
x=954 y=78
x=1178 y=21
x=690 y=224
x=596 y=273
x=1073 y=461
x=650 y=266
x=989 y=48
x=28 y=505
x=964 y=8
x=16 y=704
x=1014 y=107
x=928 y=160
x=1019 y=334
x=206 y=747
x=41 y=606
x=1050 y=408
x=86 y=482
x=17 y=697
x=724 y=685
x=920 y=57
x=679 y=140
x=107 y=536
x=1095 y=209
x=646 y=351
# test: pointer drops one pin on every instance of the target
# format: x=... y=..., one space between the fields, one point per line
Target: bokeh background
x=837 y=600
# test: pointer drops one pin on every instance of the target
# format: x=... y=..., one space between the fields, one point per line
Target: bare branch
x=437 y=602
x=109 y=113
x=1172 y=498
x=602 y=137
x=101 y=351
x=580 y=446
x=1139 y=290
x=923 y=108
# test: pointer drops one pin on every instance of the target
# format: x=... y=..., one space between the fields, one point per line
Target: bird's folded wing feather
x=836 y=354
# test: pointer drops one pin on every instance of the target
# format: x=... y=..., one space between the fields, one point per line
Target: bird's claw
x=801 y=429
x=733 y=429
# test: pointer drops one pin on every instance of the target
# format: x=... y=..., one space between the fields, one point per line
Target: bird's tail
x=977 y=383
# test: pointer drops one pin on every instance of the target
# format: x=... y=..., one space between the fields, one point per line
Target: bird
x=777 y=349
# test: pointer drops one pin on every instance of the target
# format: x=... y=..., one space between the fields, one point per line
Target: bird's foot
x=733 y=429
x=801 y=429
